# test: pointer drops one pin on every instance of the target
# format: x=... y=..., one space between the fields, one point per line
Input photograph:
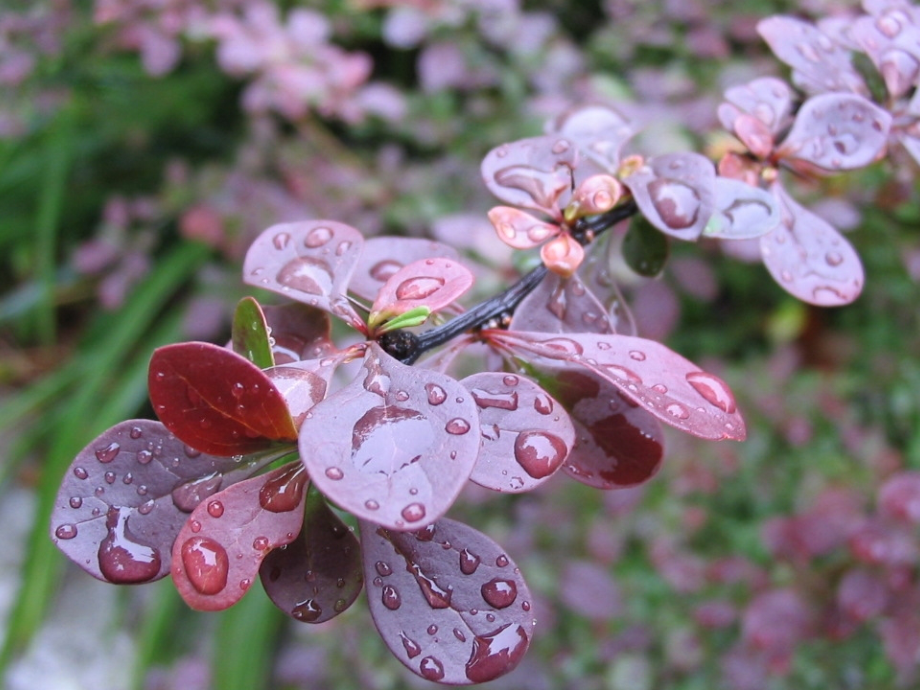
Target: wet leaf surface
x=383 y=256
x=561 y=305
x=217 y=401
x=519 y=229
x=250 y=334
x=526 y=435
x=319 y=574
x=432 y=283
x=126 y=495
x=395 y=446
x=219 y=550
x=311 y=262
x=742 y=212
x=298 y=332
x=447 y=600
x=809 y=258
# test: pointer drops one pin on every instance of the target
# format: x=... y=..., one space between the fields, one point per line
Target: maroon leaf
x=218 y=551
x=433 y=283
x=837 y=131
x=383 y=256
x=217 y=401
x=311 y=262
x=809 y=258
x=742 y=212
x=302 y=384
x=767 y=99
x=659 y=380
x=531 y=173
x=298 y=332
x=127 y=494
x=526 y=435
x=561 y=305
x=449 y=603
x=675 y=192
x=395 y=446
x=599 y=132
x=318 y=575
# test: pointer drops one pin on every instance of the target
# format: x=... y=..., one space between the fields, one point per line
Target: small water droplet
x=660 y=388
x=833 y=258
x=206 y=564
x=76 y=502
x=371 y=504
x=334 y=473
x=281 y=240
x=457 y=426
x=383 y=568
x=260 y=543
x=499 y=593
x=413 y=512
x=317 y=237
x=144 y=457
x=307 y=611
x=339 y=605
x=502 y=561
x=108 y=453
x=135 y=432
x=80 y=473
x=432 y=629
x=469 y=562
x=215 y=509
x=390 y=597
x=436 y=394
x=677 y=411
x=426 y=533
x=66 y=531
x=637 y=355
x=146 y=507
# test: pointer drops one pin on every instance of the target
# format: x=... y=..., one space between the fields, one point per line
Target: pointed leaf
x=676 y=193
x=250 y=334
x=645 y=249
x=318 y=575
x=526 y=435
x=298 y=332
x=127 y=494
x=809 y=258
x=561 y=305
x=311 y=262
x=599 y=132
x=383 y=256
x=432 y=283
x=519 y=229
x=531 y=173
x=742 y=212
x=657 y=379
x=219 y=550
x=837 y=131
x=395 y=446
x=448 y=602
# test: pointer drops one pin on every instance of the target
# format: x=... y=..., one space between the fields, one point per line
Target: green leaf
x=645 y=248
x=250 y=334
x=414 y=317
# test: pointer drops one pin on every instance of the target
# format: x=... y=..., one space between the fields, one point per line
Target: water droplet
x=188 y=495
x=402 y=396
x=540 y=453
x=108 y=453
x=383 y=568
x=677 y=203
x=281 y=240
x=144 y=456
x=66 y=531
x=339 y=605
x=135 y=432
x=432 y=629
x=677 y=411
x=501 y=400
x=413 y=512
x=468 y=562
x=833 y=258
x=623 y=373
x=307 y=611
x=284 y=492
x=431 y=669
x=206 y=564
x=128 y=478
x=637 y=355
x=457 y=426
x=76 y=502
x=306 y=274
x=146 y=507
x=713 y=389
x=215 y=509
x=435 y=595
x=342 y=248
x=413 y=649
x=660 y=388
x=496 y=653
x=80 y=473
x=525 y=605
x=419 y=287
x=142 y=490
x=436 y=394
x=426 y=533
x=260 y=543
x=390 y=597
x=122 y=559
x=499 y=593
x=317 y=237
x=502 y=561
x=371 y=504
x=384 y=270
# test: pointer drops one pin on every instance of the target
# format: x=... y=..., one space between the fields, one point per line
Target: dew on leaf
x=436 y=596
x=108 y=453
x=457 y=426
x=496 y=653
x=384 y=270
x=390 y=597
x=426 y=533
x=76 y=502
x=383 y=568
x=307 y=275
x=135 y=432
x=499 y=593
x=677 y=411
x=317 y=237
x=501 y=561
x=371 y=504
x=413 y=512
x=413 y=649
x=419 y=287
x=334 y=473
x=677 y=203
x=432 y=629
x=206 y=564
x=436 y=394
x=469 y=562
x=542 y=404
x=66 y=531
x=503 y=401
x=284 y=492
x=281 y=240
x=540 y=453
x=260 y=543
x=146 y=507
x=109 y=477
x=80 y=473
x=215 y=509
x=713 y=389
x=307 y=611
x=123 y=560
x=431 y=668
x=637 y=355
x=188 y=495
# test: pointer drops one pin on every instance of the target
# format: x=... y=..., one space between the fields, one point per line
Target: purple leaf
x=837 y=131
x=219 y=550
x=561 y=305
x=526 y=435
x=434 y=283
x=318 y=575
x=818 y=64
x=395 y=446
x=531 y=173
x=216 y=400
x=742 y=212
x=125 y=497
x=448 y=602
x=597 y=277
x=659 y=380
x=599 y=132
x=299 y=332
x=891 y=42
x=302 y=384
x=809 y=258
x=311 y=261
x=675 y=192
x=383 y=256
x=768 y=99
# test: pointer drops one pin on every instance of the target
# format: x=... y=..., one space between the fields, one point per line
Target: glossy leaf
x=645 y=249
x=448 y=602
x=599 y=132
x=675 y=192
x=298 y=332
x=809 y=258
x=250 y=334
x=767 y=99
x=217 y=401
x=430 y=283
x=594 y=195
x=310 y=261
x=526 y=435
x=837 y=132
x=519 y=229
x=125 y=497
x=219 y=550
x=645 y=372
x=561 y=305
x=395 y=446
x=562 y=255
x=742 y=212
x=319 y=574
x=531 y=173
x=383 y=256
x=302 y=384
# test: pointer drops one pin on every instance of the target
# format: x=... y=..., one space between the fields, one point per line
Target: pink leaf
x=742 y=212
x=433 y=283
x=519 y=229
x=383 y=256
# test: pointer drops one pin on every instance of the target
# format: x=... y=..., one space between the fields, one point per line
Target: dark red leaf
x=298 y=332
x=217 y=401
x=126 y=495
x=561 y=305
x=526 y=435
x=318 y=575
x=383 y=256
x=219 y=550
x=433 y=283
x=395 y=446
x=311 y=262
x=448 y=601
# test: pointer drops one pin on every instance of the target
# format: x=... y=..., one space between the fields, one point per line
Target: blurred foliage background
x=144 y=143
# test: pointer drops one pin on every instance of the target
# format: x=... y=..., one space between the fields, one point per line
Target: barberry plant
x=263 y=444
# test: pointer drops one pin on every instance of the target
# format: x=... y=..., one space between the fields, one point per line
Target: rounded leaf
x=250 y=334
x=519 y=229
x=645 y=249
x=599 y=131
x=298 y=332
x=768 y=99
x=432 y=283
x=383 y=256
x=742 y=212
x=531 y=173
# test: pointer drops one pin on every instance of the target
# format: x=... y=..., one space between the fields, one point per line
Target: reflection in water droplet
x=108 y=453
x=306 y=274
x=136 y=432
x=215 y=509
x=499 y=593
x=468 y=562
x=677 y=411
x=334 y=473
x=206 y=564
x=677 y=203
x=713 y=389
x=435 y=595
x=413 y=649
x=660 y=388
x=144 y=456
x=260 y=543
x=317 y=237
x=431 y=668
x=426 y=533
x=496 y=653
x=419 y=287
x=383 y=568
x=122 y=559
x=457 y=426
x=413 y=512
x=281 y=240
x=284 y=492
x=432 y=629
x=66 y=531
x=501 y=400
x=436 y=394
x=76 y=502
x=540 y=453
x=80 y=473
x=109 y=477
x=390 y=597
x=307 y=611
x=146 y=507
x=542 y=404
x=502 y=561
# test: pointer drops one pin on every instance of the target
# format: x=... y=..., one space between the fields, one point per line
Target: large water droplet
x=457 y=426
x=540 y=453
x=436 y=394
x=307 y=611
x=124 y=560
x=188 y=495
x=431 y=668
x=468 y=562
x=413 y=649
x=108 y=453
x=677 y=203
x=317 y=237
x=419 y=287
x=284 y=492
x=390 y=597
x=713 y=389
x=499 y=593
x=206 y=564
x=306 y=274
x=496 y=653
